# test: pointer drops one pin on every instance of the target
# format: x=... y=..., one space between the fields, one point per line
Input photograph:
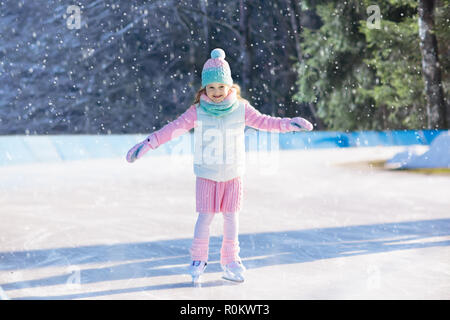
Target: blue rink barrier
x=57 y=148
x=327 y=139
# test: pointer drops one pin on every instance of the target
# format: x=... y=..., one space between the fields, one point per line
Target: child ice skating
x=219 y=116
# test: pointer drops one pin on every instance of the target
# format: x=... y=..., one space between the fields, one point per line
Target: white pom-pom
x=218 y=53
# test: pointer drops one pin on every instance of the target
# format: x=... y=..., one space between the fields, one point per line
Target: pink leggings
x=230 y=244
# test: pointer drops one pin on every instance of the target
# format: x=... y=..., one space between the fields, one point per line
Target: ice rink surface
x=310 y=228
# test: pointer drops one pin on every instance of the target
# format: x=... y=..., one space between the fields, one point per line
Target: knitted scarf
x=227 y=105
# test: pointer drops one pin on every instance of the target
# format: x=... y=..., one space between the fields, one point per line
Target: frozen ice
x=311 y=229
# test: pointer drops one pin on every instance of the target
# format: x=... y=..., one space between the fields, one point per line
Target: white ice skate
x=196 y=270
x=234 y=271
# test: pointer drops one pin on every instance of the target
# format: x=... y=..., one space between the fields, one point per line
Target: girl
x=219 y=116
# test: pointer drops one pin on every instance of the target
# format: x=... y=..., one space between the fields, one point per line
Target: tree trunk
x=296 y=22
x=203 y=5
x=244 y=29
x=436 y=108
x=294 y=15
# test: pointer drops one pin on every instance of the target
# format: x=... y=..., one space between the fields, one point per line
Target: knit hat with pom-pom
x=216 y=69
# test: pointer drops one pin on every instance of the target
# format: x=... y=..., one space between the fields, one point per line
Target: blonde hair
x=203 y=91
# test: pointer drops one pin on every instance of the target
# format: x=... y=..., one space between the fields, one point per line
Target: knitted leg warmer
x=200 y=244
x=230 y=244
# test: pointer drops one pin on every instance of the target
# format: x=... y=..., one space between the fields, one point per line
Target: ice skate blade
x=232 y=279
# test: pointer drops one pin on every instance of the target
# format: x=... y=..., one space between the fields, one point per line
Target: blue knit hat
x=216 y=69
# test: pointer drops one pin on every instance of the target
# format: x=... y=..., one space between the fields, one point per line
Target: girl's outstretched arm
x=172 y=130
x=176 y=128
x=254 y=118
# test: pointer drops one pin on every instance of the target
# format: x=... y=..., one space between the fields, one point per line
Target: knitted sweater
x=188 y=120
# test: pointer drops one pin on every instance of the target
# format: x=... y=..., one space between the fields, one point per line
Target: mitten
x=300 y=124
x=139 y=149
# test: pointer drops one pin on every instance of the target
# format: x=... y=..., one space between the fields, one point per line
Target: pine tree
x=381 y=66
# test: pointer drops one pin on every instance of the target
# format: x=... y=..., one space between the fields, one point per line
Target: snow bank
x=437 y=156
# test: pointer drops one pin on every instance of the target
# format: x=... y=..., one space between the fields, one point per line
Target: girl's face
x=217 y=91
